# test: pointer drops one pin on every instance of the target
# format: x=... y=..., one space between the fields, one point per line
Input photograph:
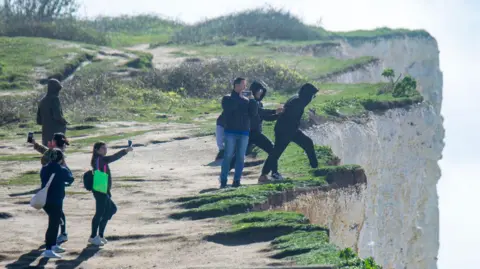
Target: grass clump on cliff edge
x=239 y=200
x=292 y=237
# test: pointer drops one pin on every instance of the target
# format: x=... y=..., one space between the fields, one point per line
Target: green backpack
x=100 y=179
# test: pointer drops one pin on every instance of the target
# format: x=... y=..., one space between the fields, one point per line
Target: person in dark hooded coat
x=50 y=113
x=257 y=138
x=287 y=130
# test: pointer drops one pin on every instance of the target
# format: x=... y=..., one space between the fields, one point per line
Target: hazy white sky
x=455 y=25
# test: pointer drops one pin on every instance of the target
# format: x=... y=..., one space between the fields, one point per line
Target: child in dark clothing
x=58 y=141
x=105 y=208
x=54 y=204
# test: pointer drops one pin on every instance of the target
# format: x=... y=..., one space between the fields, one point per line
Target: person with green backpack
x=102 y=183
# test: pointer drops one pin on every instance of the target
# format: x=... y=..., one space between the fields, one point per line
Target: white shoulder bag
x=40 y=198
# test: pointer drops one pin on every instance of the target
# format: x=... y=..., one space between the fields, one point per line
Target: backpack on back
x=88 y=180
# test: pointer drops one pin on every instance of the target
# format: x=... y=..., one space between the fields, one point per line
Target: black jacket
x=263 y=114
x=238 y=111
x=221 y=119
x=101 y=163
x=50 y=113
x=63 y=177
x=289 y=121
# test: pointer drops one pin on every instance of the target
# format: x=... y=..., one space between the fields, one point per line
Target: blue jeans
x=234 y=143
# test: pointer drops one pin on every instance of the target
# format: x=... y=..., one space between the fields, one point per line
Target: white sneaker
x=51 y=255
x=58 y=249
x=62 y=238
x=277 y=177
x=96 y=241
x=104 y=241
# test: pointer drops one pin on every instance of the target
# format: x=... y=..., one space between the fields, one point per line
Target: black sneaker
x=236 y=184
x=277 y=176
x=223 y=186
x=220 y=155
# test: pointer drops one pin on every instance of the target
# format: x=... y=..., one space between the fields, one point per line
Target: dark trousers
x=260 y=140
x=104 y=210
x=54 y=213
x=281 y=143
x=63 y=224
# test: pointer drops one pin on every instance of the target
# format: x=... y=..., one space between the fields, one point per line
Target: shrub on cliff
x=214 y=78
x=260 y=23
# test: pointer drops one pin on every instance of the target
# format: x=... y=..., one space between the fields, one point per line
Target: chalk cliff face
x=399 y=149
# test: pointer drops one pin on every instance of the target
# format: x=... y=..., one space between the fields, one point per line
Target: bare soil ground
x=141 y=234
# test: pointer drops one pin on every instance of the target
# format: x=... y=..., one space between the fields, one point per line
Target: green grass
x=126 y=30
x=312 y=67
x=21 y=57
x=24 y=179
x=291 y=237
x=20 y=157
x=293 y=163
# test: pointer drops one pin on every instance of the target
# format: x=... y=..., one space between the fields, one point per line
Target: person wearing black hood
x=257 y=138
x=50 y=114
x=287 y=130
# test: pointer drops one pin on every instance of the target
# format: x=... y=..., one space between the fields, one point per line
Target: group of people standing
x=55 y=169
x=239 y=127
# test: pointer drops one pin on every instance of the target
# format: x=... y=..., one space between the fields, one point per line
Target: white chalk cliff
x=399 y=150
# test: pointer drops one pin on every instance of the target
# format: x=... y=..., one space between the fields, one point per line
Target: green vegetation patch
x=20 y=157
x=22 y=57
x=292 y=237
x=127 y=30
x=143 y=61
x=239 y=200
x=24 y=179
x=311 y=67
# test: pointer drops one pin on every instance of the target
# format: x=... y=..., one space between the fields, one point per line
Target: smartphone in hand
x=247 y=94
x=30 y=137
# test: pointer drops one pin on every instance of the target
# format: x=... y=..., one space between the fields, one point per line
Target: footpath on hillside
x=140 y=235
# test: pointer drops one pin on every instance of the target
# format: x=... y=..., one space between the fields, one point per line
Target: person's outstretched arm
x=268 y=114
x=114 y=157
x=39 y=147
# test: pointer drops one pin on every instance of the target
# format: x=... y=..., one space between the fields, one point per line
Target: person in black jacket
x=55 y=196
x=238 y=109
x=257 y=138
x=104 y=206
x=287 y=130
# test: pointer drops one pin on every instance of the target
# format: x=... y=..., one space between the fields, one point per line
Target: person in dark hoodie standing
x=50 y=113
x=287 y=130
x=55 y=196
x=238 y=109
x=105 y=208
x=257 y=138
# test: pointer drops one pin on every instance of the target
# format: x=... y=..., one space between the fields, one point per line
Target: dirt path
x=141 y=235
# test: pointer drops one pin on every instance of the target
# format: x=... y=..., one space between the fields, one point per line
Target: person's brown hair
x=96 y=147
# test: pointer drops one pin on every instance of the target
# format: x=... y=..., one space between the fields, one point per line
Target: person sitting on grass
x=55 y=196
